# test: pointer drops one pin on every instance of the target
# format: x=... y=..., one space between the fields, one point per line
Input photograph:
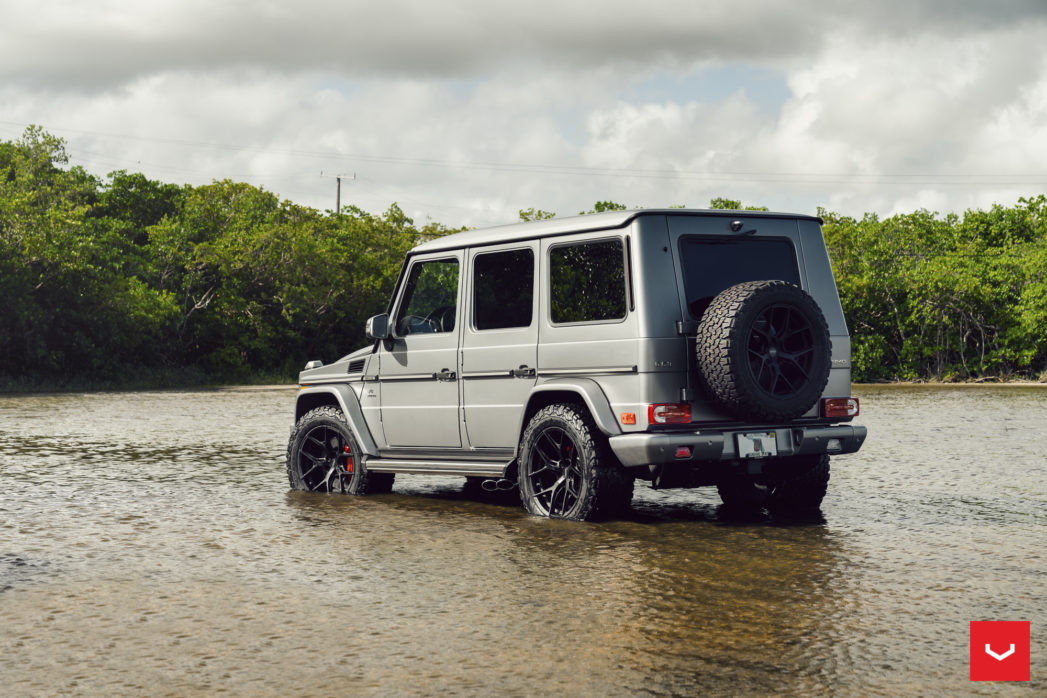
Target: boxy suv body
x=573 y=357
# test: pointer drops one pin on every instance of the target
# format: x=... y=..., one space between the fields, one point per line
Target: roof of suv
x=563 y=226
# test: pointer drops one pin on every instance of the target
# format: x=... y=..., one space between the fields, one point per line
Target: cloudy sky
x=466 y=111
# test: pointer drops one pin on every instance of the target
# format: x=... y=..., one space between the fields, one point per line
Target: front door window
x=430 y=299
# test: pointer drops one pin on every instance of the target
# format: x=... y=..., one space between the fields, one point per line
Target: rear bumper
x=721 y=445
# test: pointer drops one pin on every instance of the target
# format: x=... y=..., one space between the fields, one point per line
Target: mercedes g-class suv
x=572 y=357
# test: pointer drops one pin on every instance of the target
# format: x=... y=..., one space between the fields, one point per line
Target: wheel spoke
x=562 y=489
x=792 y=359
x=763 y=364
x=788 y=318
x=543 y=469
x=789 y=383
x=572 y=488
x=550 y=488
x=546 y=460
x=315 y=465
x=557 y=447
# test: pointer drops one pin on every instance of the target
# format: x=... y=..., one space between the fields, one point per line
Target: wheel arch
x=342 y=397
x=582 y=391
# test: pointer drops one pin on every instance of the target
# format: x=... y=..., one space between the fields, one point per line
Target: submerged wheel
x=763 y=351
x=797 y=485
x=567 y=471
x=742 y=493
x=801 y=485
x=323 y=456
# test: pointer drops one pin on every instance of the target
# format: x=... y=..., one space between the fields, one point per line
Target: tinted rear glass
x=588 y=281
x=711 y=265
x=503 y=286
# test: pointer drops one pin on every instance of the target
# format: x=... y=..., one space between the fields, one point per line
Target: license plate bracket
x=757 y=444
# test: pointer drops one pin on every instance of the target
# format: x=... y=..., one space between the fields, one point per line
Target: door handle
x=445 y=375
x=522 y=372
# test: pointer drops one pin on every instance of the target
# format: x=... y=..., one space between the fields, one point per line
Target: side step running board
x=438 y=467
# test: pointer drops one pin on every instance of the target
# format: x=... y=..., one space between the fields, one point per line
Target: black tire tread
x=742 y=493
x=610 y=488
x=717 y=351
x=803 y=489
x=362 y=482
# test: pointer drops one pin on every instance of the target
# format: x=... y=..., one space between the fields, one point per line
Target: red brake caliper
x=348 y=460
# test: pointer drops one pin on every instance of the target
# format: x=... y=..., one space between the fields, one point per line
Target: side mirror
x=377 y=327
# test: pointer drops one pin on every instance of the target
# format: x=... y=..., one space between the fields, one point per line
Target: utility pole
x=338 y=189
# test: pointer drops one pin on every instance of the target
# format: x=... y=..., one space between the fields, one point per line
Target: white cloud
x=467 y=111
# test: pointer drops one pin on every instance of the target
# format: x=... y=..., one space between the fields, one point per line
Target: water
x=149 y=545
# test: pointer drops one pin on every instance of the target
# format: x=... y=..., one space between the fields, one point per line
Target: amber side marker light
x=677 y=413
x=627 y=418
x=835 y=407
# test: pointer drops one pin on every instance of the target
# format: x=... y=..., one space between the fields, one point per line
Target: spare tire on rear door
x=763 y=351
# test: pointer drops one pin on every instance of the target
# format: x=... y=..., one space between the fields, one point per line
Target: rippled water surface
x=149 y=545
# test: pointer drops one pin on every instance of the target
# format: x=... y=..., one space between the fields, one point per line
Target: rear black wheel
x=323 y=456
x=800 y=486
x=567 y=471
x=742 y=493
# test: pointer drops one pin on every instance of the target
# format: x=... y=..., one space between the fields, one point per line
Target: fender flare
x=344 y=397
x=587 y=389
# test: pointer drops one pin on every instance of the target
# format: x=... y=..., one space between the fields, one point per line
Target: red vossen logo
x=1000 y=650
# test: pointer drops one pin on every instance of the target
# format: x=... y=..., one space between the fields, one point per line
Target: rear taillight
x=836 y=407
x=678 y=413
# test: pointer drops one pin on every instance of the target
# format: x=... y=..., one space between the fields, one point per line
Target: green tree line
x=127 y=281
x=130 y=281
x=944 y=298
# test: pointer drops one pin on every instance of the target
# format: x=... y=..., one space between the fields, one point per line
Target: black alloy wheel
x=325 y=461
x=323 y=456
x=554 y=473
x=781 y=350
x=567 y=469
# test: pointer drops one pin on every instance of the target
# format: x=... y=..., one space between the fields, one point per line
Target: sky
x=464 y=112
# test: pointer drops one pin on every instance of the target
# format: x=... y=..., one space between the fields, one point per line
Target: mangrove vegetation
x=124 y=281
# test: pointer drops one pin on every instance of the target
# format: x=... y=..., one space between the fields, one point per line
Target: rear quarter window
x=711 y=265
x=587 y=281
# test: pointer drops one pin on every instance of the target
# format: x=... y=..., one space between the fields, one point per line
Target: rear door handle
x=522 y=372
x=445 y=375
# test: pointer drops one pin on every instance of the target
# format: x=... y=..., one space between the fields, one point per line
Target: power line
x=794 y=177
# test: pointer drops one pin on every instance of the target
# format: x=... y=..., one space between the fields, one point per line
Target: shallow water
x=149 y=545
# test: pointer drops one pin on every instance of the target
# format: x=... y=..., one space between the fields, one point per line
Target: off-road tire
x=567 y=469
x=319 y=454
x=801 y=485
x=763 y=351
x=742 y=493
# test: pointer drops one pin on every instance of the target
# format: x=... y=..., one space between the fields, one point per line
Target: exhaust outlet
x=501 y=484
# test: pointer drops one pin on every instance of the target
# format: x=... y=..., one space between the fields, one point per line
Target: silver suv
x=572 y=357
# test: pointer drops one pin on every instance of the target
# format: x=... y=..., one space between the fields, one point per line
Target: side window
x=430 y=298
x=587 y=281
x=503 y=289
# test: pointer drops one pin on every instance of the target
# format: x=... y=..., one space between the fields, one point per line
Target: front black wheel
x=323 y=456
x=567 y=471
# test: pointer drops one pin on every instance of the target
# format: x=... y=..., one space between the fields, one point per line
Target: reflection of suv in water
x=572 y=357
